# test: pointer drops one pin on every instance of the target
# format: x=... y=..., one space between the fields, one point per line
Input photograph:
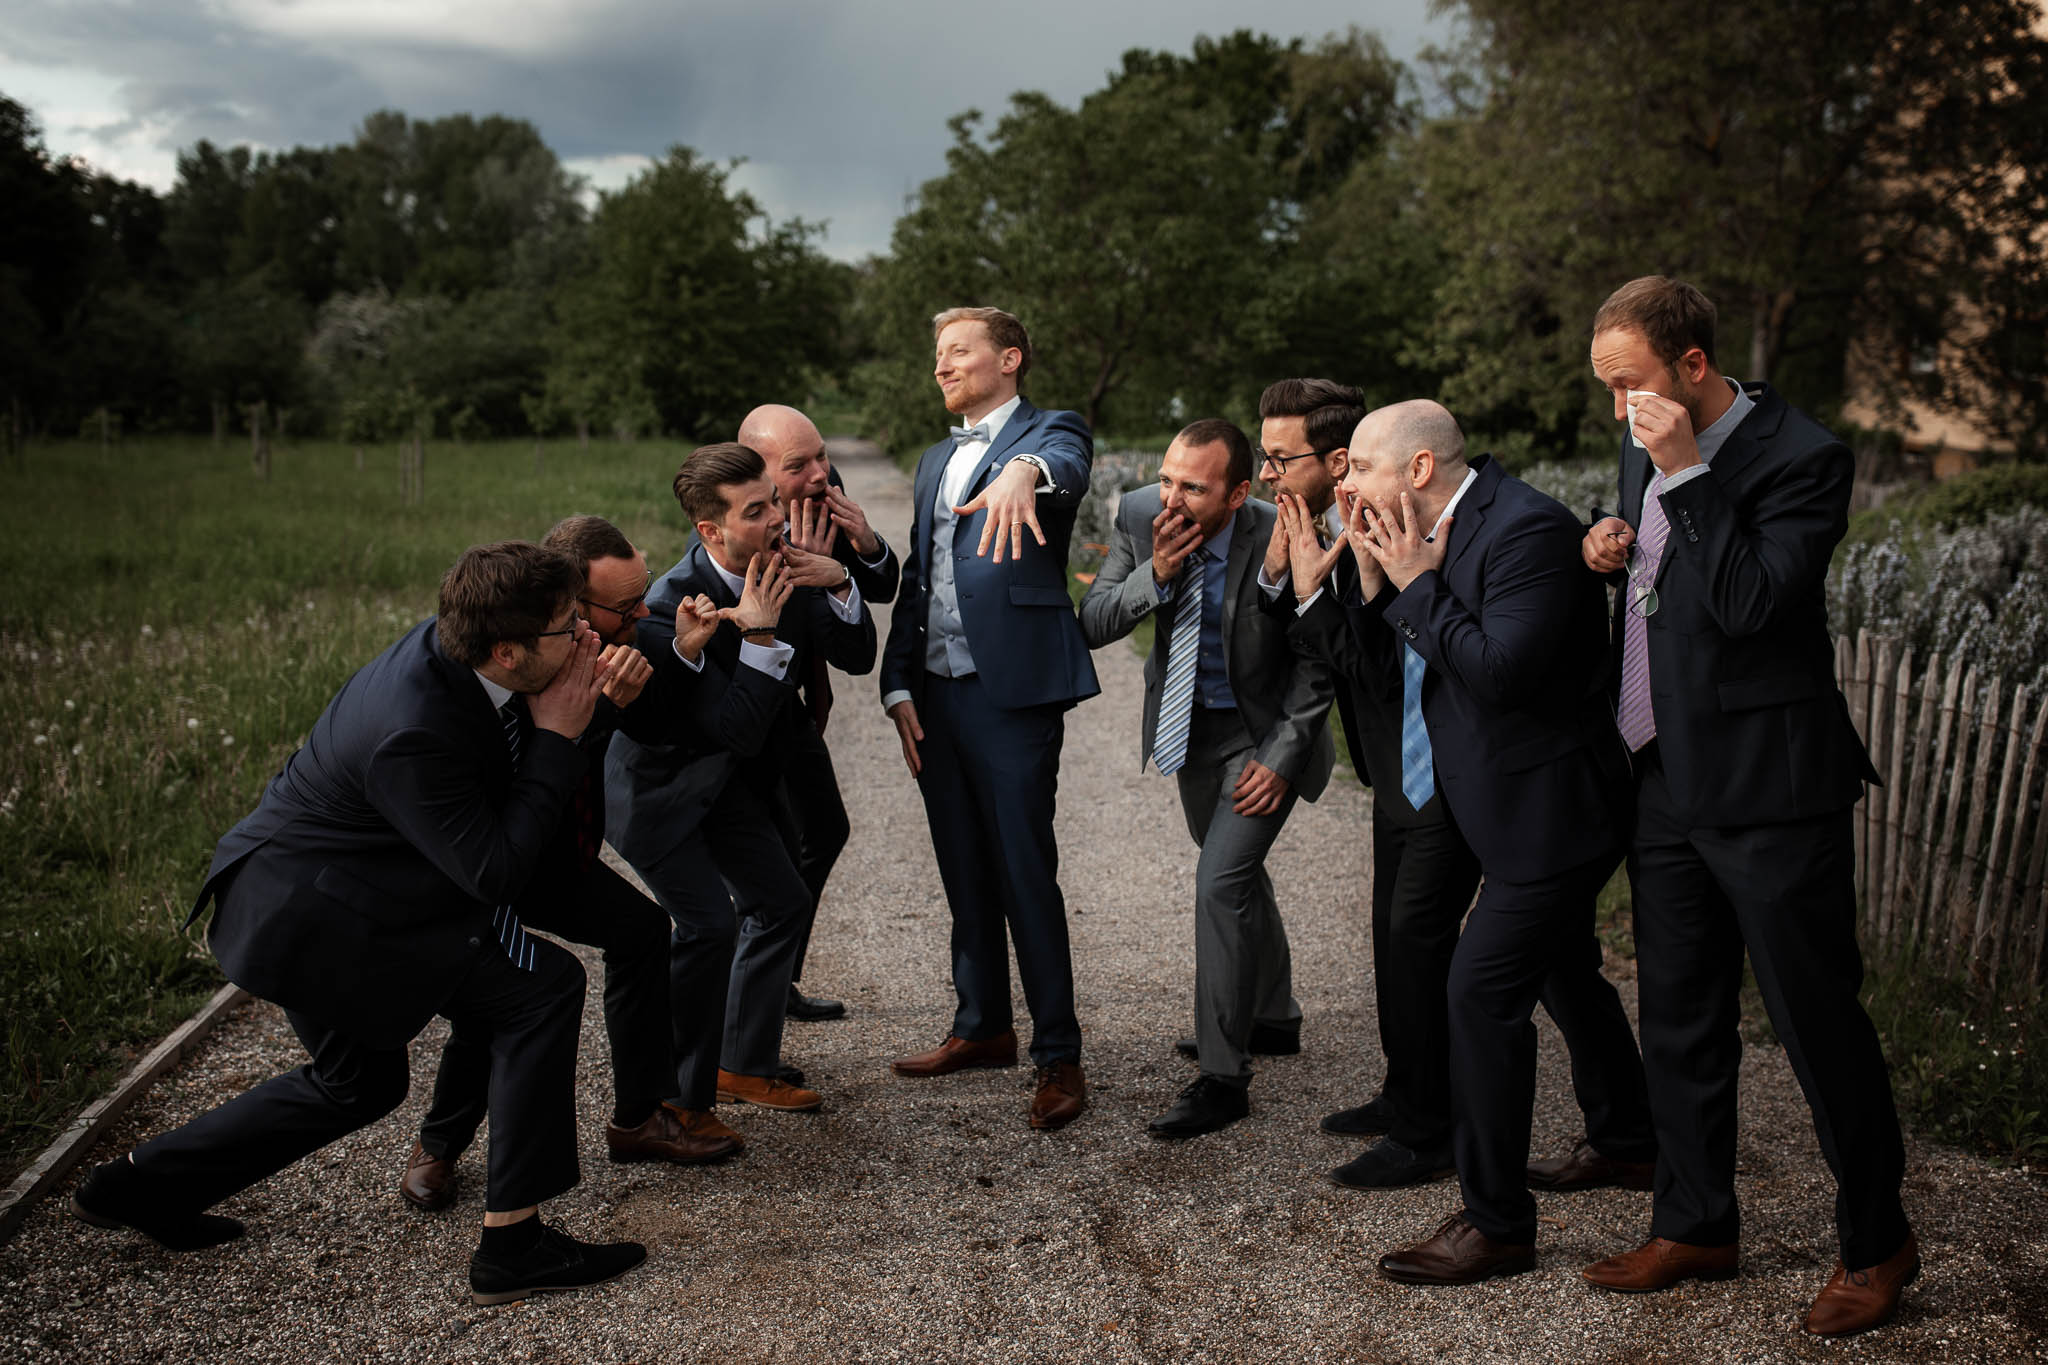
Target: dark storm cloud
x=840 y=108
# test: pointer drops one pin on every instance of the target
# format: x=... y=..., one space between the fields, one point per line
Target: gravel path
x=923 y=1221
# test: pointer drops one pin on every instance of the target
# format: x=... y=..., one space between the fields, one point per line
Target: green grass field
x=173 y=626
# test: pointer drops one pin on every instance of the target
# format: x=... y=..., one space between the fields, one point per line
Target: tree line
x=1861 y=186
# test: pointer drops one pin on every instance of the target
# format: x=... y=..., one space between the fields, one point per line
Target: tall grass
x=172 y=627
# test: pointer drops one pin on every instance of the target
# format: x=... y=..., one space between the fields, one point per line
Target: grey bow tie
x=977 y=432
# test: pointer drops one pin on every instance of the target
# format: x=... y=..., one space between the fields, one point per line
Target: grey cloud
x=842 y=107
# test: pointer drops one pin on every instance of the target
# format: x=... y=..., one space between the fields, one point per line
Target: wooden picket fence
x=1950 y=851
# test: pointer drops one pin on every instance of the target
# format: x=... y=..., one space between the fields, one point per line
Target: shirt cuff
x=1045 y=483
x=1683 y=476
x=1301 y=607
x=1273 y=589
x=849 y=610
x=695 y=665
x=772 y=659
x=881 y=553
x=889 y=699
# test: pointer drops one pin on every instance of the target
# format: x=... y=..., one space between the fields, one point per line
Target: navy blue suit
x=1530 y=765
x=1742 y=841
x=697 y=814
x=992 y=739
x=359 y=896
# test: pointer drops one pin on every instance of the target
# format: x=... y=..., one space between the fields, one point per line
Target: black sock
x=632 y=1113
x=513 y=1239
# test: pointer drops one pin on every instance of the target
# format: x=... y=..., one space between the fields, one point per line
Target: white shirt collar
x=498 y=695
x=1000 y=418
x=734 y=581
x=1452 y=506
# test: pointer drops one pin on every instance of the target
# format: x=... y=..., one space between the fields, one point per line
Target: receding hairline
x=773 y=428
x=1407 y=427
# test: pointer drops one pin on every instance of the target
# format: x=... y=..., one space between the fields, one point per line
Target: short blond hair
x=1004 y=330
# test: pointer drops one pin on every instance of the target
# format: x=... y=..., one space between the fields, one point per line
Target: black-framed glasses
x=1280 y=462
x=569 y=629
x=625 y=610
x=1642 y=583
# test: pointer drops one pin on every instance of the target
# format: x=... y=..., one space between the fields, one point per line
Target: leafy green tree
x=691 y=307
x=1832 y=172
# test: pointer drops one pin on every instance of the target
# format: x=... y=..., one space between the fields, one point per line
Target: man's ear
x=1693 y=366
x=1011 y=359
x=1421 y=469
x=1337 y=463
x=1239 y=494
x=507 y=654
x=711 y=533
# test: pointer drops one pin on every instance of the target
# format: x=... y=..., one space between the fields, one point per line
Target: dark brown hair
x=586 y=538
x=708 y=471
x=1003 y=330
x=1330 y=411
x=1671 y=315
x=1208 y=431
x=510 y=591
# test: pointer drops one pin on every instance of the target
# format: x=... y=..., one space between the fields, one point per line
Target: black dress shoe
x=1387 y=1163
x=1268 y=1040
x=1373 y=1117
x=555 y=1261
x=117 y=1195
x=1204 y=1106
x=812 y=1008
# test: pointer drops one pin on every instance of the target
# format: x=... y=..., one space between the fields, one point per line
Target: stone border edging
x=61 y=1157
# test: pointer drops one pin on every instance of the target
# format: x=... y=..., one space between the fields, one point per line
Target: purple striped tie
x=1638 y=722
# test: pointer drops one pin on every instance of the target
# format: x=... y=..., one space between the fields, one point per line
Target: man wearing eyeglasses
x=382 y=880
x=578 y=897
x=1746 y=767
x=824 y=520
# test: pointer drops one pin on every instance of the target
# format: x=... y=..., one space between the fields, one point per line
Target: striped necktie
x=504 y=921
x=1183 y=650
x=1418 y=760
x=1637 y=719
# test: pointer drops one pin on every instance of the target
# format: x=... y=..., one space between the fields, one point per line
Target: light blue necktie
x=511 y=937
x=1418 y=764
x=977 y=432
x=1183 y=651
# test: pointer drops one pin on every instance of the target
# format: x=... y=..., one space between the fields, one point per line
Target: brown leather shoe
x=687 y=1137
x=1457 y=1253
x=1061 y=1095
x=428 y=1182
x=958 y=1054
x=1857 y=1300
x=1660 y=1263
x=769 y=1092
x=1586 y=1168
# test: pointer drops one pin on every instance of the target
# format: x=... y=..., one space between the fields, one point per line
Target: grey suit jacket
x=1283 y=691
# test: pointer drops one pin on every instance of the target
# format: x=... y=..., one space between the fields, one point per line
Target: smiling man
x=1235 y=714
x=984 y=658
x=381 y=881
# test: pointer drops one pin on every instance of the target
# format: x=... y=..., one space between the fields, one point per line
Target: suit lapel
x=1013 y=432
x=701 y=575
x=1242 y=532
x=1471 y=514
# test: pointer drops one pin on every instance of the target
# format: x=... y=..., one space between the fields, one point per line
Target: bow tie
x=977 y=432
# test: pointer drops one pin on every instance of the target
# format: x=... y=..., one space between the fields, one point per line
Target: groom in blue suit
x=984 y=657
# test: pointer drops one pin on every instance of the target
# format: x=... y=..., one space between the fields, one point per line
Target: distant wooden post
x=259 y=437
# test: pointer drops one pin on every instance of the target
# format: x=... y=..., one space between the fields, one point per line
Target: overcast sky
x=839 y=108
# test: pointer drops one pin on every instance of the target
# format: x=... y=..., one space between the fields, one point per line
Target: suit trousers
x=1525 y=942
x=595 y=906
x=1787 y=894
x=532 y=1017
x=1423 y=879
x=818 y=816
x=1243 y=972
x=739 y=910
x=990 y=780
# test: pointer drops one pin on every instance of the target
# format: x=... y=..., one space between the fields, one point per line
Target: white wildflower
x=40 y=739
